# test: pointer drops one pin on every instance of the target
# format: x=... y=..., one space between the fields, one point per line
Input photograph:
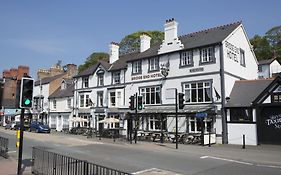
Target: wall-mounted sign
x=148 y=76
x=199 y=69
x=274 y=121
x=232 y=51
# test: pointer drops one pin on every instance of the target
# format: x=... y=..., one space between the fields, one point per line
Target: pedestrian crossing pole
x=20 y=143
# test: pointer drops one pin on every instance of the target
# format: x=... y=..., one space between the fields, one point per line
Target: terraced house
x=203 y=65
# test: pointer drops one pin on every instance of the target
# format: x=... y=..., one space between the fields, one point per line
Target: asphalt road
x=191 y=160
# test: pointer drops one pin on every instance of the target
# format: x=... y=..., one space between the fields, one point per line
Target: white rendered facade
x=206 y=76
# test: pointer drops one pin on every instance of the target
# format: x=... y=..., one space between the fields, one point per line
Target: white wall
x=275 y=67
x=239 y=39
x=236 y=131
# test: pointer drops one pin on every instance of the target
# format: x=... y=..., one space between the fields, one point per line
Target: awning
x=191 y=109
x=77 y=119
x=109 y=120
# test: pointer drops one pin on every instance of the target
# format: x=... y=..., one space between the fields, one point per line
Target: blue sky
x=38 y=33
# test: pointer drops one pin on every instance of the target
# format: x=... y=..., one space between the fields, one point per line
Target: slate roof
x=193 y=40
x=268 y=61
x=48 y=79
x=59 y=93
x=244 y=92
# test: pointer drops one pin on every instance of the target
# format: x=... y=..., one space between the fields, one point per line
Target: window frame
x=55 y=104
x=82 y=100
x=114 y=76
x=143 y=92
x=100 y=77
x=156 y=64
x=137 y=67
x=211 y=58
x=185 y=56
x=100 y=103
x=242 y=58
x=68 y=103
x=205 y=88
x=85 y=82
x=239 y=119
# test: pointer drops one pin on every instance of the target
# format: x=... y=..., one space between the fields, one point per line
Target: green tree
x=273 y=36
x=131 y=42
x=262 y=48
x=93 y=59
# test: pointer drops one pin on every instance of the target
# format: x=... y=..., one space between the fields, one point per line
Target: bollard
x=243 y=146
x=209 y=139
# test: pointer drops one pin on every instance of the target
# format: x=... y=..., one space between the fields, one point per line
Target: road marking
x=241 y=162
x=144 y=171
x=228 y=160
x=155 y=171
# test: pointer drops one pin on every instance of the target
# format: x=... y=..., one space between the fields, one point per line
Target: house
x=61 y=105
x=268 y=68
x=253 y=110
x=45 y=87
x=203 y=65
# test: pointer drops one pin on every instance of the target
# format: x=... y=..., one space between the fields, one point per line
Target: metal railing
x=4 y=143
x=45 y=163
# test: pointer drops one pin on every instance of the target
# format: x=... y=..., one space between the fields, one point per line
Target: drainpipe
x=223 y=114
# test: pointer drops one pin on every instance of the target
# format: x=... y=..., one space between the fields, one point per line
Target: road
x=141 y=157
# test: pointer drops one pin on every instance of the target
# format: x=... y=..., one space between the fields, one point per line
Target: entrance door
x=270 y=125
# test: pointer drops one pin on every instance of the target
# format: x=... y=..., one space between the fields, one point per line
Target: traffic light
x=140 y=103
x=132 y=102
x=181 y=100
x=26 y=92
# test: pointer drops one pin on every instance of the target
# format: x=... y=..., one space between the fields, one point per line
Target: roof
x=268 y=61
x=49 y=79
x=59 y=93
x=193 y=40
x=244 y=92
x=68 y=81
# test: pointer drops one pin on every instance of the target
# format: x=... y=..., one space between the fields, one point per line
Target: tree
x=273 y=36
x=93 y=59
x=131 y=42
x=261 y=47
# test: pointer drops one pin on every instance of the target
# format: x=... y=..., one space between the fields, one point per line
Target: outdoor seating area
x=169 y=137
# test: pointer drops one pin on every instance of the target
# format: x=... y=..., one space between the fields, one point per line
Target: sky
x=38 y=33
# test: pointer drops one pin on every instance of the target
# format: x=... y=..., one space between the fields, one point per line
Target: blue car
x=39 y=127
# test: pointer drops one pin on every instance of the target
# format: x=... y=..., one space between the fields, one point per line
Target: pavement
x=262 y=155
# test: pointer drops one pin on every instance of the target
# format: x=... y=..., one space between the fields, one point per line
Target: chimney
x=171 y=41
x=171 y=30
x=113 y=52
x=144 y=42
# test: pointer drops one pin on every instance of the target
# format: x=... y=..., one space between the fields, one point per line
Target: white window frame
x=154 y=64
x=136 y=67
x=186 y=58
x=189 y=88
x=100 y=99
x=207 y=55
x=153 y=120
x=88 y=102
x=116 y=77
x=151 y=90
x=82 y=100
x=197 y=122
x=85 y=82
x=68 y=103
x=100 y=79
x=242 y=58
x=55 y=104
x=112 y=98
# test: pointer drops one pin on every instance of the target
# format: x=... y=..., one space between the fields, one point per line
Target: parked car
x=12 y=125
x=39 y=127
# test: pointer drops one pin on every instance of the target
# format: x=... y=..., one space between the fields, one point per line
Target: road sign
x=201 y=114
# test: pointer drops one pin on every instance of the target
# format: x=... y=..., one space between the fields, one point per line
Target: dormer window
x=186 y=58
x=153 y=64
x=207 y=55
x=85 y=82
x=116 y=77
x=63 y=85
x=136 y=67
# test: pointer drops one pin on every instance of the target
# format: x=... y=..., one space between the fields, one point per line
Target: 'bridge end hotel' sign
x=145 y=77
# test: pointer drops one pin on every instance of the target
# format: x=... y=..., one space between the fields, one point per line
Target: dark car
x=39 y=127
